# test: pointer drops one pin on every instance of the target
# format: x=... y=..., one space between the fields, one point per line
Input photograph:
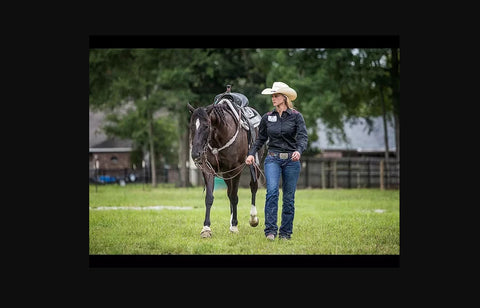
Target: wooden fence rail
x=347 y=172
x=350 y=172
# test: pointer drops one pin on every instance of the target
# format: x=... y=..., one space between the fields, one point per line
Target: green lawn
x=327 y=222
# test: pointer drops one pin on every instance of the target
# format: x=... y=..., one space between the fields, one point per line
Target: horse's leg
x=209 y=182
x=253 y=188
x=232 y=192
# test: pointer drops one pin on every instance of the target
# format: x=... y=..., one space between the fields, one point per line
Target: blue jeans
x=289 y=170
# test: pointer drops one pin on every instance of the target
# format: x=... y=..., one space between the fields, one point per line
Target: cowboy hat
x=283 y=88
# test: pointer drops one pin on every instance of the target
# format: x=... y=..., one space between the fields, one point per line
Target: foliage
x=336 y=85
x=132 y=126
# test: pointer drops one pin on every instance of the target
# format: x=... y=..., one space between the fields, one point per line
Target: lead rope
x=213 y=172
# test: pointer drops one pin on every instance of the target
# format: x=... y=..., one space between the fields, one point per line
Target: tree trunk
x=186 y=140
x=395 y=80
x=385 y=133
x=152 y=151
x=181 y=160
x=183 y=153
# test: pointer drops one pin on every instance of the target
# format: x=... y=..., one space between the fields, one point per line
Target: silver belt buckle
x=283 y=155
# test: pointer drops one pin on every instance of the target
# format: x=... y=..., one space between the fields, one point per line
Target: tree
x=335 y=85
x=164 y=80
x=339 y=85
x=137 y=77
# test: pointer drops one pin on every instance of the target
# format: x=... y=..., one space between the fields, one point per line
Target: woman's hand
x=296 y=156
x=250 y=160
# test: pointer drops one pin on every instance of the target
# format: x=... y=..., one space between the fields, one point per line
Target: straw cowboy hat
x=283 y=88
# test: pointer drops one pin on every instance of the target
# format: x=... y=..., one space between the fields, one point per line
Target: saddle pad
x=252 y=115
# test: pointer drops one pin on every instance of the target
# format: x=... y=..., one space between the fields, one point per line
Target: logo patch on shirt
x=272 y=118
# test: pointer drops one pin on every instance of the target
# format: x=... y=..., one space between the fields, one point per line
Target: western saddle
x=250 y=118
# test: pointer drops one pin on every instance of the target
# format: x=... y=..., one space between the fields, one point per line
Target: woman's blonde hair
x=288 y=101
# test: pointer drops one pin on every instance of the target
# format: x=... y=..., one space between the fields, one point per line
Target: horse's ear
x=190 y=108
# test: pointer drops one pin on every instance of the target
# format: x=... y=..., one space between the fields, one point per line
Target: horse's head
x=200 y=126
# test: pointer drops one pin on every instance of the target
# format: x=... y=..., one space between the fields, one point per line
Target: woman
x=284 y=128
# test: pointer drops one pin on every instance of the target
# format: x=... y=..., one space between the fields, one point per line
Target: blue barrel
x=219 y=184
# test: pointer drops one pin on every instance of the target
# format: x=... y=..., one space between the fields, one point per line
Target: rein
x=215 y=173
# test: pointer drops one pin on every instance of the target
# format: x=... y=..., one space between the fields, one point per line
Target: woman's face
x=277 y=99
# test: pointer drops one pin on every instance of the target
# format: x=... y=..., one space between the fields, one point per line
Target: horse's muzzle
x=197 y=157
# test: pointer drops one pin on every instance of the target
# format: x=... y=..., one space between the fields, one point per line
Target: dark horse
x=219 y=148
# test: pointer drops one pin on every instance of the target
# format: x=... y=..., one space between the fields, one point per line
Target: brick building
x=112 y=155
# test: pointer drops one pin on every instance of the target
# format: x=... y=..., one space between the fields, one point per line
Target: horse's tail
x=255 y=169
x=253 y=173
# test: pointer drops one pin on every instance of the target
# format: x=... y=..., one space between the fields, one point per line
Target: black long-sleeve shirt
x=287 y=133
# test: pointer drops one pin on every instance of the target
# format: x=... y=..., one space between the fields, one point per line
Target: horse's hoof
x=253 y=221
x=206 y=232
x=234 y=229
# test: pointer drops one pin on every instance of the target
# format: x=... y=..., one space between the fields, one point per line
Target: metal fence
x=348 y=172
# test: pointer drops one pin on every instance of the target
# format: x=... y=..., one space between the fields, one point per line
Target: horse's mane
x=219 y=112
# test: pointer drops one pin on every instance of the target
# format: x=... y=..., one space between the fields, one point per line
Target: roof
x=112 y=145
x=358 y=137
x=96 y=134
x=99 y=142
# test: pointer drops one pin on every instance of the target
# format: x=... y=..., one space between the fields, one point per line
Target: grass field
x=136 y=219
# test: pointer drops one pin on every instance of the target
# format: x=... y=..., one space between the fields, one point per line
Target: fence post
x=381 y=175
x=323 y=174
x=349 y=173
x=329 y=174
x=144 y=174
x=306 y=173
x=358 y=174
x=335 y=173
x=97 y=165
x=369 y=184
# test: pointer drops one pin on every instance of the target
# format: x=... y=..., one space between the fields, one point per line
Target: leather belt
x=280 y=155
